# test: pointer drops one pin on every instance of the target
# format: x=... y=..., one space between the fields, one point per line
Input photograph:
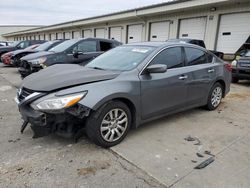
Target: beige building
x=13 y=28
x=222 y=24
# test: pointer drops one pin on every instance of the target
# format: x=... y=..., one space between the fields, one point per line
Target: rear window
x=105 y=46
x=195 y=56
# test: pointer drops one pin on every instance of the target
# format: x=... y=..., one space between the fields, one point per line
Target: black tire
x=210 y=106
x=94 y=123
x=235 y=80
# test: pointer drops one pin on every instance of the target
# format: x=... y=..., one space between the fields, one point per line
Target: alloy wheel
x=114 y=125
x=216 y=96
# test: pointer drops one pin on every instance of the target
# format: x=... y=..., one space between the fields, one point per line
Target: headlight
x=234 y=63
x=58 y=103
x=38 y=61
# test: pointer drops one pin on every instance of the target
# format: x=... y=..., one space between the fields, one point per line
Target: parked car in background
x=7 y=58
x=16 y=55
x=122 y=88
x=6 y=43
x=241 y=67
x=198 y=42
x=76 y=51
x=19 y=45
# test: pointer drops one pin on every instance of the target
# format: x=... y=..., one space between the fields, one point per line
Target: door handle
x=210 y=70
x=183 y=77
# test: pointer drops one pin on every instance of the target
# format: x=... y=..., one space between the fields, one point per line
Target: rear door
x=164 y=92
x=202 y=73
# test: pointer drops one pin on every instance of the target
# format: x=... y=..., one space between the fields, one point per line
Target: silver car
x=122 y=89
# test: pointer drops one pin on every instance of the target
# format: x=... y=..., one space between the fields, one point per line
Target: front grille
x=243 y=64
x=244 y=72
x=24 y=92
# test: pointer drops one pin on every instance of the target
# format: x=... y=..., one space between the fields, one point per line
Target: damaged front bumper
x=67 y=122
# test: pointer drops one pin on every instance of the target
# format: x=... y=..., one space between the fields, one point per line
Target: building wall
x=8 y=29
x=212 y=25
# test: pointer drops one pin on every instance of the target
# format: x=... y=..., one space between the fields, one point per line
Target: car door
x=164 y=92
x=87 y=50
x=201 y=75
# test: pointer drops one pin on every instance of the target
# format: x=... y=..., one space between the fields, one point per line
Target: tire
x=101 y=119
x=215 y=96
x=235 y=80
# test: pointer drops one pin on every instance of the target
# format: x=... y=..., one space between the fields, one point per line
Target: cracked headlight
x=38 y=61
x=58 y=102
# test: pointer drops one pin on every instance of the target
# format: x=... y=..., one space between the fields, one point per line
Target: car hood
x=36 y=55
x=16 y=52
x=63 y=76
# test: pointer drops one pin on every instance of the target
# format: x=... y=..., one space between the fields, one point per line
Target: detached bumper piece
x=67 y=123
x=26 y=68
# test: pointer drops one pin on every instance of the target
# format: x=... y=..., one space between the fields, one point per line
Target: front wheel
x=109 y=125
x=215 y=96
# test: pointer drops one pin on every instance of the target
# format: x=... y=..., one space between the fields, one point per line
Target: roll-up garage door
x=116 y=33
x=234 y=30
x=59 y=36
x=194 y=28
x=159 y=31
x=42 y=37
x=52 y=36
x=87 y=33
x=67 y=35
x=76 y=35
x=100 y=33
x=134 y=33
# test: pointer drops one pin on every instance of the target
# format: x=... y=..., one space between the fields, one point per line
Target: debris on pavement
x=198 y=142
x=209 y=153
x=14 y=141
x=193 y=161
x=199 y=155
x=190 y=139
x=205 y=163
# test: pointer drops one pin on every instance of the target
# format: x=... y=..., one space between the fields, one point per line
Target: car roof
x=161 y=44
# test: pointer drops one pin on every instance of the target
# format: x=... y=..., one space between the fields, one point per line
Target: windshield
x=247 y=54
x=63 y=46
x=44 y=46
x=15 y=43
x=122 y=58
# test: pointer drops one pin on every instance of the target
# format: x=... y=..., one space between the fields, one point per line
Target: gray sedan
x=122 y=89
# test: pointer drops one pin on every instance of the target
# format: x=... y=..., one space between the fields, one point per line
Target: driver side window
x=85 y=46
x=23 y=45
x=172 y=57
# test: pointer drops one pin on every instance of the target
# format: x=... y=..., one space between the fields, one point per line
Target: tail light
x=228 y=66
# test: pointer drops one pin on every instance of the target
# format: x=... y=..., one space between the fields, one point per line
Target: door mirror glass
x=156 y=68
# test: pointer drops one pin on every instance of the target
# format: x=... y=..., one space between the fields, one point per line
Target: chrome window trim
x=140 y=73
x=171 y=46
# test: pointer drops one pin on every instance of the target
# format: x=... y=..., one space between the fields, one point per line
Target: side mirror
x=77 y=53
x=157 y=68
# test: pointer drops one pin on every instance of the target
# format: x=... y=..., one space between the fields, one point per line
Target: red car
x=6 y=58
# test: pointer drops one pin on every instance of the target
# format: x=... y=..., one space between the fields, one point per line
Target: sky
x=47 y=12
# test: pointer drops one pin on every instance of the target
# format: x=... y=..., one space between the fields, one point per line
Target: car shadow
x=244 y=83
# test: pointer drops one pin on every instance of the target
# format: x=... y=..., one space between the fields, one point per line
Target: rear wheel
x=235 y=80
x=215 y=96
x=109 y=125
